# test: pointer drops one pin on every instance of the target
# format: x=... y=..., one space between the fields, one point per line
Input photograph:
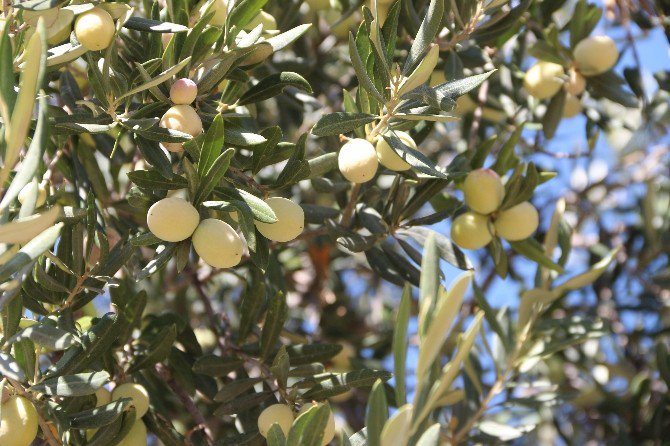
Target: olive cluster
x=592 y=56
x=484 y=194
x=174 y=219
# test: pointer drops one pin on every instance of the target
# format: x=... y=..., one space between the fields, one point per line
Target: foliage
x=372 y=307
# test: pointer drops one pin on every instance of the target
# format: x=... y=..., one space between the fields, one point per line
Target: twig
x=348 y=211
x=186 y=400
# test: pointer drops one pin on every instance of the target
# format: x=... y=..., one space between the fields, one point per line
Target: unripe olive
x=543 y=80
x=220 y=9
x=95 y=29
x=471 y=231
x=29 y=189
x=172 y=219
x=572 y=106
x=290 y=220
x=389 y=158
x=576 y=83
x=182 y=118
x=136 y=436
x=18 y=426
x=358 y=160
x=329 y=430
x=183 y=91
x=102 y=397
x=483 y=190
x=277 y=413
x=217 y=243
x=266 y=20
x=595 y=55
x=137 y=393
x=518 y=222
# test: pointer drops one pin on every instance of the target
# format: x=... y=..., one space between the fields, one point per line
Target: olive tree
x=286 y=223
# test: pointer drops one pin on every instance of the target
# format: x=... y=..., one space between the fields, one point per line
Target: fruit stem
x=348 y=211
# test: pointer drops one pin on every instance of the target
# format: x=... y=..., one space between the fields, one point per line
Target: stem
x=186 y=400
x=497 y=386
x=348 y=211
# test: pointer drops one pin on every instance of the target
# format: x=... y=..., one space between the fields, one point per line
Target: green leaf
x=214 y=175
x=152 y=180
x=162 y=77
x=273 y=85
x=341 y=122
x=274 y=323
x=416 y=159
x=157 y=351
x=400 y=344
x=552 y=117
x=276 y=436
x=430 y=26
x=72 y=385
x=459 y=87
x=532 y=250
x=211 y=146
x=308 y=428
x=280 y=367
x=244 y=403
x=610 y=85
x=7 y=93
x=153 y=26
x=445 y=312
x=24 y=229
x=235 y=389
x=297 y=168
x=46 y=336
x=29 y=253
x=261 y=155
x=243 y=12
x=33 y=156
x=376 y=413
x=95 y=342
x=100 y=416
x=498 y=30
x=361 y=72
x=447 y=250
x=300 y=354
x=212 y=365
x=430 y=437
x=252 y=302
x=10 y=368
x=330 y=384
x=261 y=210
x=164 y=253
x=32 y=73
x=283 y=40
x=150 y=129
